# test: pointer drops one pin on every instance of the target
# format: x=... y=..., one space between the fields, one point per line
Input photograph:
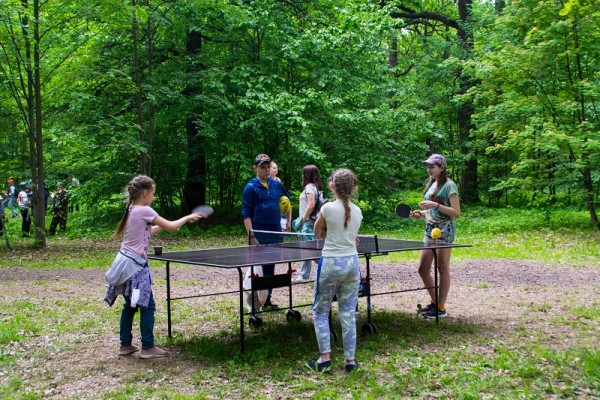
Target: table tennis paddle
x=403 y=210
x=204 y=210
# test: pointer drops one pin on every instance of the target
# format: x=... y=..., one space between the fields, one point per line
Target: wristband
x=438 y=206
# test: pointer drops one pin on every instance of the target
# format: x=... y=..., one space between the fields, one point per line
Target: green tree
x=539 y=96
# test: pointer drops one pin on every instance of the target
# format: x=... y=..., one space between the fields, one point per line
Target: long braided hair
x=134 y=189
x=345 y=184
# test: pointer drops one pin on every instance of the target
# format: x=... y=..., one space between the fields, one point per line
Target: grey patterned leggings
x=339 y=276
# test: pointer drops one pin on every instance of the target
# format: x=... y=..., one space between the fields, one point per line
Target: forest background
x=190 y=91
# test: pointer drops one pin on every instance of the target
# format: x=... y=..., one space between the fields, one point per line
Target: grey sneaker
x=427 y=309
x=126 y=350
x=154 y=352
x=431 y=313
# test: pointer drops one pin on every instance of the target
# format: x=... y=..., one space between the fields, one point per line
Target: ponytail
x=122 y=222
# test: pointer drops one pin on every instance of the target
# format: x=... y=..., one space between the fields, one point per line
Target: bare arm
x=452 y=211
x=164 y=224
x=248 y=226
x=310 y=197
x=320 y=228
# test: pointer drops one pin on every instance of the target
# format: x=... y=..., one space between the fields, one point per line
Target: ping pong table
x=287 y=253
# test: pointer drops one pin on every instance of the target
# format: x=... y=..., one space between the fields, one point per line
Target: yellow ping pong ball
x=436 y=233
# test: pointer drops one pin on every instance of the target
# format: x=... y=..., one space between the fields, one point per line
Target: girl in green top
x=439 y=208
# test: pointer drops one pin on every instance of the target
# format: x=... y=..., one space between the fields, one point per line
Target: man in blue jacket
x=260 y=210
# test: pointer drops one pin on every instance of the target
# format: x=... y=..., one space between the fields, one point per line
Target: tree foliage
x=191 y=91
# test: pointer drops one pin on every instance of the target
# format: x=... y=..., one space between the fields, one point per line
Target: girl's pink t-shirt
x=136 y=237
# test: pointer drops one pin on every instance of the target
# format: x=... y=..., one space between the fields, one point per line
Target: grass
x=548 y=354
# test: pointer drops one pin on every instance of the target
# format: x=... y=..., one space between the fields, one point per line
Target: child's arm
x=320 y=227
x=160 y=223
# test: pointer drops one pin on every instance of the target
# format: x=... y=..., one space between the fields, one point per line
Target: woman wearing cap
x=439 y=208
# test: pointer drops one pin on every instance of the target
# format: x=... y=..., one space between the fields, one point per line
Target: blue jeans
x=308 y=229
x=146 y=323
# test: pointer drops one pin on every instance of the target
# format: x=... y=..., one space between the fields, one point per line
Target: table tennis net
x=366 y=243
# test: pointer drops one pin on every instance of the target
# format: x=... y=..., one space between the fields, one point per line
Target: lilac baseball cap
x=437 y=159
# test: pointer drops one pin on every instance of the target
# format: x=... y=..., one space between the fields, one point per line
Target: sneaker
x=316 y=366
x=154 y=352
x=299 y=279
x=351 y=367
x=270 y=307
x=427 y=309
x=431 y=313
x=126 y=350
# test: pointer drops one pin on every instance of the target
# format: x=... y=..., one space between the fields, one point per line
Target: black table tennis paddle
x=403 y=210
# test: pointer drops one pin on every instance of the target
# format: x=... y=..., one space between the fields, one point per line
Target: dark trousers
x=268 y=269
x=26 y=222
x=56 y=220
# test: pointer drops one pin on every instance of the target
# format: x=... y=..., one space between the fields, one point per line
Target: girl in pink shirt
x=139 y=222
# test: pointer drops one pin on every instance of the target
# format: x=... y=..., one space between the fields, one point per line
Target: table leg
x=169 y=299
x=368 y=286
x=241 y=284
x=436 y=288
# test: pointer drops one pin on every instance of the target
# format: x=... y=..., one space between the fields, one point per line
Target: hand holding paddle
x=404 y=211
x=204 y=211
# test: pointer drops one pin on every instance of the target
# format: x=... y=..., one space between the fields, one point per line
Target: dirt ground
x=500 y=294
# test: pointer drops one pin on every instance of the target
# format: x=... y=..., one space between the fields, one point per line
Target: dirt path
x=499 y=294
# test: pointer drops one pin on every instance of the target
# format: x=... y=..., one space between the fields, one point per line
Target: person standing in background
x=312 y=185
x=60 y=204
x=73 y=193
x=274 y=172
x=11 y=197
x=24 y=203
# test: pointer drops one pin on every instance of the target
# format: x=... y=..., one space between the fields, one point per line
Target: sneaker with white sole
x=299 y=279
x=427 y=309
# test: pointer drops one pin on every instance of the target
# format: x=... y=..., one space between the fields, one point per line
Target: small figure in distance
x=60 y=207
x=11 y=197
x=24 y=203
x=129 y=274
x=439 y=208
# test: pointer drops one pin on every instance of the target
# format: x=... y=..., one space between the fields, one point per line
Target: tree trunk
x=39 y=212
x=469 y=188
x=194 y=190
x=137 y=79
x=150 y=125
